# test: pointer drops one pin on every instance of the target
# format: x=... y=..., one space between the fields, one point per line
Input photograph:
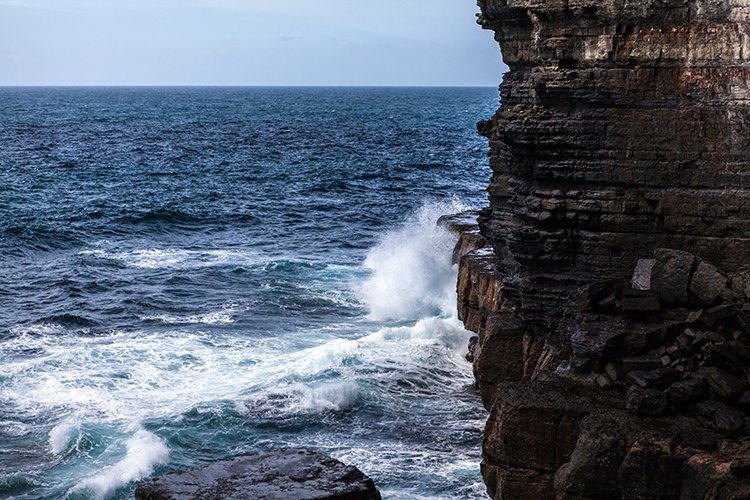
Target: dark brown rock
x=671 y=274
x=686 y=392
x=622 y=135
x=723 y=418
x=646 y=402
x=720 y=382
x=659 y=378
x=708 y=283
x=280 y=474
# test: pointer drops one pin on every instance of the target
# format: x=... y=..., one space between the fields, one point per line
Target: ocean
x=189 y=274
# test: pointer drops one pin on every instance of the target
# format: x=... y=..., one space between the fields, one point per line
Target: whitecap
x=144 y=450
x=61 y=434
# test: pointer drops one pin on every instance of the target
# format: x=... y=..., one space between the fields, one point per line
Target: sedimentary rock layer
x=624 y=125
x=612 y=312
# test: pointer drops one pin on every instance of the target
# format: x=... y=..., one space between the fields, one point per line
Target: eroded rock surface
x=274 y=475
x=612 y=313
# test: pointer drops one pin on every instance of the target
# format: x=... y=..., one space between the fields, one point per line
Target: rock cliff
x=612 y=340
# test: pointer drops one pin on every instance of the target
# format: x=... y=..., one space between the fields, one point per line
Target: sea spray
x=207 y=295
x=143 y=451
x=413 y=276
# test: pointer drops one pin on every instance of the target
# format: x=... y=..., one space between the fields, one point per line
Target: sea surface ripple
x=187 y=274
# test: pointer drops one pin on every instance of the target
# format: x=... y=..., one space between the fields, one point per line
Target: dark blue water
x=187 y=274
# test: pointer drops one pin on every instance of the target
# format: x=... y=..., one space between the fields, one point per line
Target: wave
x=215 y=318
x=174 y=258
x=144 y=450
x=412 y=273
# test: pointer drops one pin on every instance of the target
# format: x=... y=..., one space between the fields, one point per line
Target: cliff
x=619 y=221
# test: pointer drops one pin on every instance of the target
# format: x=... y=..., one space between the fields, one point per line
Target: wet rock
x=671 y=274
x=708 y=283
x=298 y=474
x=646 y=402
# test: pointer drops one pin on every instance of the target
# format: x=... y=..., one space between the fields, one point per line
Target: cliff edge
x=612 y=307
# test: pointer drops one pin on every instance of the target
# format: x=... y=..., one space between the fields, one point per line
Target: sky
x=245 y=42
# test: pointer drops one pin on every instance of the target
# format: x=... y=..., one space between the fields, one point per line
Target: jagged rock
x=596 y=337
x=641 y=279
x=671 y=274
x=614 y=370
x=640 y=300
x=622 y=133
x=720 y=382
x=659 y=378
x=725 y=357
x=473 y=349
x=646 y=402
x=687 y=392
x=641 y=363
x=723 y=418
x=711 y=316
x=281 y=474
x=708 y=283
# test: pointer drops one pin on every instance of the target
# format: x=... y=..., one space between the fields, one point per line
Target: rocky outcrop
x=280 y=474
x=624 y=126
x=611 y=314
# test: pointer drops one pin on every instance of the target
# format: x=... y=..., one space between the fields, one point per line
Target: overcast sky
x=245 y=42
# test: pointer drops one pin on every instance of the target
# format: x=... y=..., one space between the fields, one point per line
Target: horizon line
x=235 y=86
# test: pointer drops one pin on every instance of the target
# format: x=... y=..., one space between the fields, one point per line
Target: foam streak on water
x=187 y=275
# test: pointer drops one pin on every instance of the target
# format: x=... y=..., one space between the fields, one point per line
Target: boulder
x=671 y=274
x=720 y=382
x=641 y=279
x=687 y=392
x=646 y=402
x=298 y=474
x=659 y=378
x=721 y=417
x=708 y=283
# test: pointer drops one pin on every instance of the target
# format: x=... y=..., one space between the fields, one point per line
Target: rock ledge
x=295 y=474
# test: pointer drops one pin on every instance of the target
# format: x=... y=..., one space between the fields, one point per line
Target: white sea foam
x=214 y=318
x=175 y=258
x=327 y=396
x=144 y=450
x=121 y=379
x=412 y=273
x=61 y=434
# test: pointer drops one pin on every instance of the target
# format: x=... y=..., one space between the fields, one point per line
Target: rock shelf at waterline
x=290 y=474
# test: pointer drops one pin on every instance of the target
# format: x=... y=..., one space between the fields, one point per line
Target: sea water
x=189 y=274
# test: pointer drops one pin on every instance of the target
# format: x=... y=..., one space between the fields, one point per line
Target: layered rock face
x=612 y=311
x=624 y=126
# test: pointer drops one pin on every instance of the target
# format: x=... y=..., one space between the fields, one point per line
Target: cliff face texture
x=619 y=222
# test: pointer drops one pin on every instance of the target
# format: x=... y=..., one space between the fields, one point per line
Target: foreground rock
x=274 y=475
